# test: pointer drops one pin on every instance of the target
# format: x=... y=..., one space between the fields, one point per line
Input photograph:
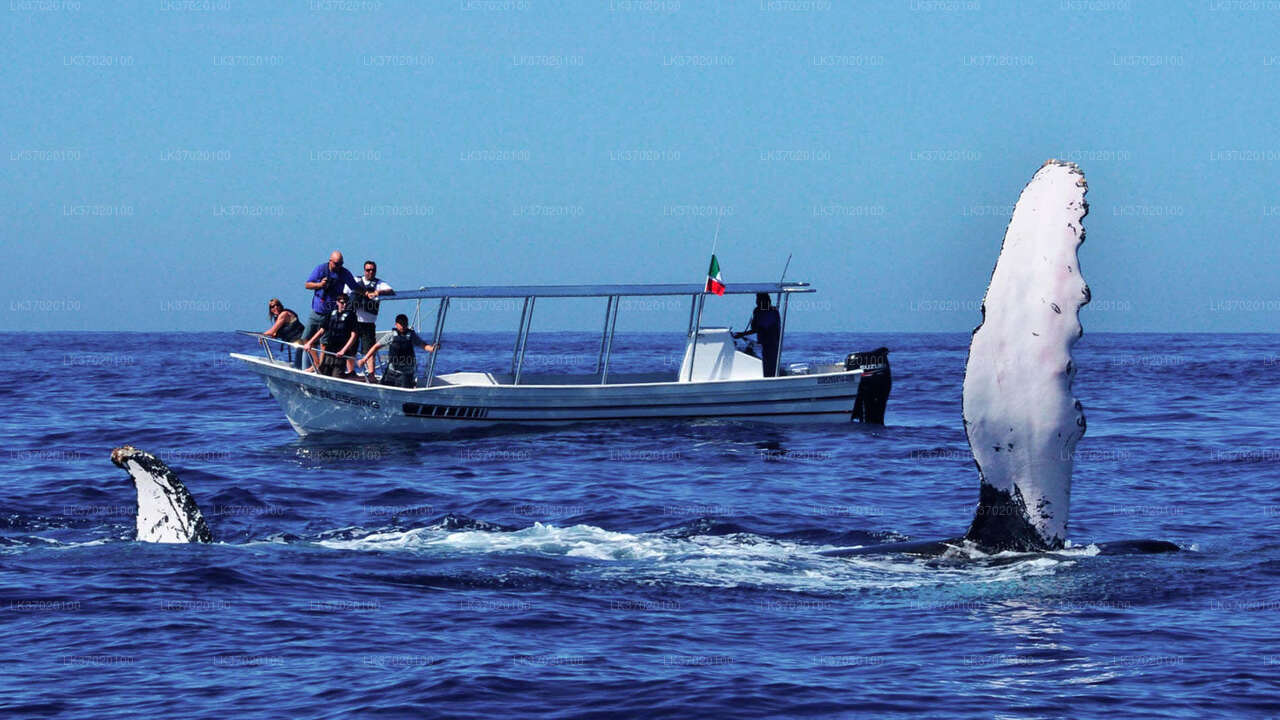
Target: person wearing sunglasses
x=339 y=333
x=285 y=326
x=329 y=281
x=364 y=299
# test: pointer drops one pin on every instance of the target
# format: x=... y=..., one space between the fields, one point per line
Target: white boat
x=715 y=378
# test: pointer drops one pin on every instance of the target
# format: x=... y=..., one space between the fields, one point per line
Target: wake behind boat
x=715 y=378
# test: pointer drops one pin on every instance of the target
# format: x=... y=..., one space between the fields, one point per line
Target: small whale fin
x=166 y=511
x=1019 y=415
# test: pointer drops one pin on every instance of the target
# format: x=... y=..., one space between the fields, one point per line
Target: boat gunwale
x=365 y=384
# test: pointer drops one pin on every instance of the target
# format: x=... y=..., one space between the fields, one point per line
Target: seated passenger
x=402 y=365
x=285 y=326
x=338 y=331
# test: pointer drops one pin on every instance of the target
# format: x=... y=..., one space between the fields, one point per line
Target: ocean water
x=653 y=569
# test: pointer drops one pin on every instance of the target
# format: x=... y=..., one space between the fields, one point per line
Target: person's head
x=335 y=261
x=402 y=322
x=274 y=307
x=370 y=269
x=341 y=300
x=763 y=302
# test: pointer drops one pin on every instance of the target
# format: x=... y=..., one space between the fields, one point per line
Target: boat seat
x=465 y=378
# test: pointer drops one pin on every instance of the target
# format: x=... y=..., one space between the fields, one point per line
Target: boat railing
x=267 y=341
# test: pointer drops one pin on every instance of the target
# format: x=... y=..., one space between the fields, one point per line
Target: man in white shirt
x=364 y=297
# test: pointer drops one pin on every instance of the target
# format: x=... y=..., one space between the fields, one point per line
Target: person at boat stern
x=402 y=364
x=339 y=333
x=364 y=298
x=329 y=281
x=766 y=325
x=285 y=326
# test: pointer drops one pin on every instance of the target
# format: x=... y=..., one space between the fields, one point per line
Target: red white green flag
x=714 y=283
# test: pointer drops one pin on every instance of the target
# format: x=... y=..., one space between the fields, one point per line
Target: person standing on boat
x=766 y=325
x=285 y=326
x=329 y=281
x=402 y=364
x=364 y=298
x=339 y=333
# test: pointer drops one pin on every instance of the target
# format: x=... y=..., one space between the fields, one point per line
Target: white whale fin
x=166 y=511
x=1019 y=415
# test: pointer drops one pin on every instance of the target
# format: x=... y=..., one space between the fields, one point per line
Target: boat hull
x=318 y=405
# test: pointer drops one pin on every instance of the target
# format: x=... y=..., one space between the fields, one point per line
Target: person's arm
x=383 y=290
x=369 y=355
x=423 y=343
x=315 y=358
x=314 y=338
x=317 y=279
x=271 y=332
x=349 y=280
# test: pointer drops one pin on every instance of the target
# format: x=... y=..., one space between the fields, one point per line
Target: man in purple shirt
x=328 y=281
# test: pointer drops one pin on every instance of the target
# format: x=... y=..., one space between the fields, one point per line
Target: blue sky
x=173 y=164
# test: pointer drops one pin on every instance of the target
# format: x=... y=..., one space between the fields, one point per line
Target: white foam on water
x=741 y=559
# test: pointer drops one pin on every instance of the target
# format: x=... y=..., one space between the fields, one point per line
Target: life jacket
x=401 y=354
x=338 y=327
x=358 y=299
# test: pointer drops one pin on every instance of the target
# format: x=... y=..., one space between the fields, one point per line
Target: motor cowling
x=873 y=386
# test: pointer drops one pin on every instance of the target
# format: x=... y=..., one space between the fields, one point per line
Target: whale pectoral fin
x=166 y=512
x=1019 y=416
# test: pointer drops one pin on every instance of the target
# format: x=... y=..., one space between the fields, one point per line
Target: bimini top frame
x=531 y=293
x=521 y=291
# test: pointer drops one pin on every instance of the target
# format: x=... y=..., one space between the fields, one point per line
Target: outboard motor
x=873 y=388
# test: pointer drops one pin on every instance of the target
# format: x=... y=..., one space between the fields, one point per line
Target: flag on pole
x=714 y=283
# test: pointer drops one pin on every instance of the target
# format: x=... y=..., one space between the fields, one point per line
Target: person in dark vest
x=364 y=299
x=402 y=364
x=285 y=326
x=339 y=333
x=766 y=325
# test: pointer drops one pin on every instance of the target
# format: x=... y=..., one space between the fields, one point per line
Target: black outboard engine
x=873 y=389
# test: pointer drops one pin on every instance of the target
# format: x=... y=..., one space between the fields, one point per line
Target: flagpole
x=702 y=299
x=783 y=279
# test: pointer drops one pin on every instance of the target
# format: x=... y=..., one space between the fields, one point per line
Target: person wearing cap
x=339 y=335
x=328 y=281
x=402 y=364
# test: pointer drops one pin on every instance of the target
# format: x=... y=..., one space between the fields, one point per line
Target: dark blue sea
x=657 y=569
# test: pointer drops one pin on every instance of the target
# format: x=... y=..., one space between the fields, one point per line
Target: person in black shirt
x=766 y=325
x=339 y=335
